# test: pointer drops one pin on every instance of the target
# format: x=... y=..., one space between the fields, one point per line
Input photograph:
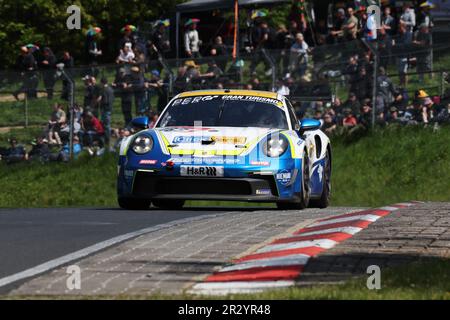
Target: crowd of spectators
x=296 y=49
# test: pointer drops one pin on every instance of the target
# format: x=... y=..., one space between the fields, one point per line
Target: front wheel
x=303 y=201
x=133 y=204
x=168 y=204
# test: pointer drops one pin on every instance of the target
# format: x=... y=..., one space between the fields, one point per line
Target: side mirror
x=140 y=122
x=309 y=124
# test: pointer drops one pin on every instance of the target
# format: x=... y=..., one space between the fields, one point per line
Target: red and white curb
x=279 y=263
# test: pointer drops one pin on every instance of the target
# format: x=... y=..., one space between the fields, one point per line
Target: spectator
x=328 y=126
x=362 y=85
x=352 y=103
x=408 y=20
x=385 y=89
x=423 y=44
x=394 y=116
x=337 y=26
x=26 y=64
x=349 y=29
x=181 y=80
x=124 y=89
x=127 y=37
x=15 y=153
x=123 y=133
x=155 y=86
x=388 y=22
x=64 y=154
x=92 y=50
x=349 y=120
x=160 y=39
x=106 y=106
x=138 y=87
x=425 y=15
x=126 y=55
x=212 y=74
x=48 y=66
x=57 y=119
x=365 y=117
x=91 y=129
x=40 y=150
x=67 y=61
x=192 y=41
x=298 y=61
x=282 y=88
x=443 y=117
x=402 y=44
x=260 y=41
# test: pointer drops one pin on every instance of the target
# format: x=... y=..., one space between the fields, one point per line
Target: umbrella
x=258 y=14
x=165 y=22
x=32 y=47
x=128 y=27
x=191 y=21
x=427 y=4
x=93 y=31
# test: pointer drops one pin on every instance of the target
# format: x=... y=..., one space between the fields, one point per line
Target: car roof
x=256 y=93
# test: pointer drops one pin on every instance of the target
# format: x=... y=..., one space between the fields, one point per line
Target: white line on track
x=44 y=267
x=388 y=208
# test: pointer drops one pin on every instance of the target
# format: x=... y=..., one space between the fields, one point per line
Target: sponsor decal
x=263 y=191
x=218 y=139
x=147 y=161
x=193 y=100
x=284 y=176
x=201 y=171
x=229 y=140
x=187 y=139
x=260 y=163
x=275 y=102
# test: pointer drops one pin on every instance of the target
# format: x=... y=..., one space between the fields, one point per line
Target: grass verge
x=369 y=169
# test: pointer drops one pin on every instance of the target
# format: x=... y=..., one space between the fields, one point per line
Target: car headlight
x=275 y=146
x=142 y=144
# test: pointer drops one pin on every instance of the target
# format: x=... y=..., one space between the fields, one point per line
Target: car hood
x=208 y=141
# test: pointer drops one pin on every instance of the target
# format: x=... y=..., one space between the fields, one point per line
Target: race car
x=239 y=145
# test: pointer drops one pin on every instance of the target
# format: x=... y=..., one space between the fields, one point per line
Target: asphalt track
x=30 y=237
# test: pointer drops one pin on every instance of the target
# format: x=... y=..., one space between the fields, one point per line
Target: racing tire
x=305 y=193
x=324 y=200
x=168 y=204
x=133 y=204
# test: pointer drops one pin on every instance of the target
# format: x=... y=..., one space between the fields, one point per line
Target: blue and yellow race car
x=226 y=145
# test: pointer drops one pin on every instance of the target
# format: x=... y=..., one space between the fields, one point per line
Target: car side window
x=292 y=116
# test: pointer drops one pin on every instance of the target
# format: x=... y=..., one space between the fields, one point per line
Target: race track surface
x=35 y=237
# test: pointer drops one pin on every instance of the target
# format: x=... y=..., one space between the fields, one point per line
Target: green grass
x=378 y=168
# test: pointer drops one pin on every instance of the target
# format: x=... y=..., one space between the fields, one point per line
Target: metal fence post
x=375 y=76
x=26 y=109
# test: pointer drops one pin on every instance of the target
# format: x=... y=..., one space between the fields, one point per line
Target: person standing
x=423 y=44
x=26 y=64
x=67 y=60
x=106 y=106
x=122 y=84
x=408 y=19
x=191 y=39
x=48 y=66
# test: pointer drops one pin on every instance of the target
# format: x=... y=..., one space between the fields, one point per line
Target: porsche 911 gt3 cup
x=226 y=145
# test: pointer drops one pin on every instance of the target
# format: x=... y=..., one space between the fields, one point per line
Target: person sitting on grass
x=64 y=154
x=91 y=129
x=40 y=150
x=349 y=120
x=15 y=153
x=57 y=119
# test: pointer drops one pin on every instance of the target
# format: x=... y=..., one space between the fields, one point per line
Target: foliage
x=43 y=22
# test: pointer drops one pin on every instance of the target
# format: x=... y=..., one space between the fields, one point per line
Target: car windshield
x=225 y=111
